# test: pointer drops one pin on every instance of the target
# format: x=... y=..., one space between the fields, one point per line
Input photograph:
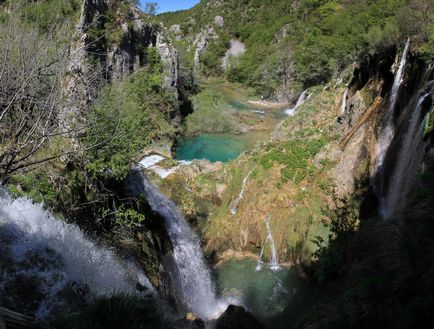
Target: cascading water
x=190 y=274
x=344 y=101
x=56 y=256
x=388 y=130
x=274 y=263
x=410 y=156
x=234 y=204
x=299 y=103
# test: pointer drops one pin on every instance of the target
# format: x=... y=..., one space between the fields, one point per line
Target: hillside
x=294 y=45
x=243 y=163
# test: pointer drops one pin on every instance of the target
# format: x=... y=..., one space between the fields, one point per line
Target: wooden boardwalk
x=13 y=320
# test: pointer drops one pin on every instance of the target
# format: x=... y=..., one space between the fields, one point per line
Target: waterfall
x=234 y=204
x=410 y=156
x=344 y=101
x=388 y=130
x=299 y=103
x=274 y=263
x=57 y=256
x=189 y=273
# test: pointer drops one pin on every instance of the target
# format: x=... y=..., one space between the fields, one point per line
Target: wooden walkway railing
x=13 y=320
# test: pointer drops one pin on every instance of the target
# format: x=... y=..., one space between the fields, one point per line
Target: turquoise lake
x=216 y=147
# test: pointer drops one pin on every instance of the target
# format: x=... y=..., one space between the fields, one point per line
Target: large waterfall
x=189 y=273
x=57 y=256
x=388 y=129
x=410 y=155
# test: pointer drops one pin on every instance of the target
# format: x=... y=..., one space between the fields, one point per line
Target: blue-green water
x=215 y=147
x=265 y=293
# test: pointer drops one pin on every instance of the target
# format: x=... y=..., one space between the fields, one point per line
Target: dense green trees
x=127 y=116
x=322 y=37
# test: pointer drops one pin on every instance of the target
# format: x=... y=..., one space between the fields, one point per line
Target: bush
x=126 y=117
x=210 y=115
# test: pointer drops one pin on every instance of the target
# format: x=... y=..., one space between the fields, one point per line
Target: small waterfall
x=410 y=156
x=388 y=130
x=190 y=274
x=234 y=204
x=57 y=256
x=344 y=101
x=274 y=263
x=299 y=103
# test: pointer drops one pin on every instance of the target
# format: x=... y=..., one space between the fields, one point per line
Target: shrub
x=127 y=116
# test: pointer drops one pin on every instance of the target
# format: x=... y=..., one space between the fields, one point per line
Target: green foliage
x=35 y=185
x=128 y=216
x=210 y=114
x=42 y=13
x=211 y=60
x=295 y=157
x=321 y=37
x=127 y=116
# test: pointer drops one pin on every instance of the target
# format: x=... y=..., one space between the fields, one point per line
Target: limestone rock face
x=169 y=57
x=176 y=31
x=237 y=49
x=201 y=42
x=94 y=62
x=125 y=57
x=219 y=21
x=92 y=12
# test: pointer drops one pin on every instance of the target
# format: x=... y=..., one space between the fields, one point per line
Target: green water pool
x=216 y=147
x=265 y=293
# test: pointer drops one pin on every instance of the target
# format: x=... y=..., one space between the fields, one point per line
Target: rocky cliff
x=111 y=42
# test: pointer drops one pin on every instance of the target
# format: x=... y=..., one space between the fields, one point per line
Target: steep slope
x=291 y=45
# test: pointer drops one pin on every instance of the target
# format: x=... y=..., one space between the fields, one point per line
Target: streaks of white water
x=234 y=203
x=27 y=229
x=388 y=129
x=344 y=101
x=274 y=263
x=409 y=158
x=300 y=102
x=190 y=274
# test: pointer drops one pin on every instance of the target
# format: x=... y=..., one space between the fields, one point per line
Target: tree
x=31 y=66
x=150 y=8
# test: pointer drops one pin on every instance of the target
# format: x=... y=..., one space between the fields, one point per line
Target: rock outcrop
x=169 y=57
x=219 y=21
x=99 y=55
x=236 y=317
x=237 y=49
x=201 y=42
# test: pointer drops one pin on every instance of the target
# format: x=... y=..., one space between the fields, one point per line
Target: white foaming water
x=409 y=158
x=27 y=229
x=344 y=101
x=190 y=274
x=388 y=131
x=234 y=204
x=151 y=162
x=274 y=263
x=299 y=103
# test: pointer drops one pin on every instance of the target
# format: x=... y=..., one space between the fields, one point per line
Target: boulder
x=236 y=317
x=201 y=42
x=219 y=21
